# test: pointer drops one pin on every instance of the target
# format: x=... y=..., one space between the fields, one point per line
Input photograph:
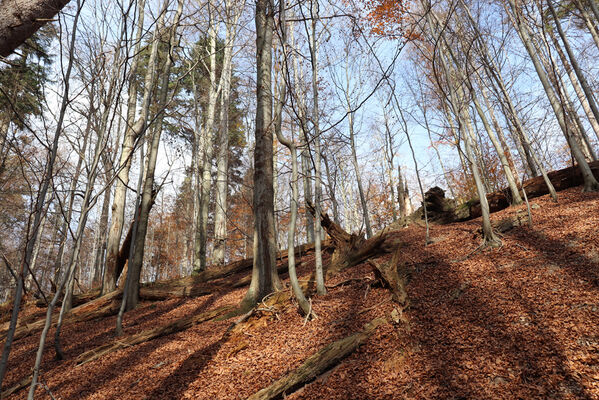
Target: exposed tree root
x=318 y=363
x=351 y=249
x=150 y=334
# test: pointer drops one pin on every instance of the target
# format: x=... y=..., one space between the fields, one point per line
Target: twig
x=522 y=247
x=348 y=281
x=309 y=312
x=47 y=389
x=375 y=306
x=469 y=254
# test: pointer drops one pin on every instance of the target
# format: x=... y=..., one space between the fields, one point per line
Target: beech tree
x=265 y=279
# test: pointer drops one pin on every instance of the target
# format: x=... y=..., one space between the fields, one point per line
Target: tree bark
x=314 y=14
x=265 y=279
x=19 y=19
x=207 y=148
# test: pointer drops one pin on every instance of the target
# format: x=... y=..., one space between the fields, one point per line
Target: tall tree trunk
x=354 y=160
x=222 y=161
x=131 y=296
x=282 y=92
x=389 y=157
x=320 y=287
x=304 y=152
x=331 y=185
x=201 y=238
x=265 y=279
x=402 y=194
x=578 y=131
x=583 y=90
x=509 y=173
x=101 y=241
x=120 y=192
x=588 y=20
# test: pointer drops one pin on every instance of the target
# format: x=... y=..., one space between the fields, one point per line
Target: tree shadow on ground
x=109 y=368
x=564 y=255
x=179 y=380
x=520 y=355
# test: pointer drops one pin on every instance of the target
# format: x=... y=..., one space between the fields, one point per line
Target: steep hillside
x=519 y=321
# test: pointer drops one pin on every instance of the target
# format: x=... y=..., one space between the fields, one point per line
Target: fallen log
x=102 y=307
x=318 y=363
x=78 y=299
x=233 y=268
x=535 y=187
x=106 y=306
x=150 y=334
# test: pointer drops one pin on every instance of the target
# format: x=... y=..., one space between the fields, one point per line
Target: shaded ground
x=515 y=322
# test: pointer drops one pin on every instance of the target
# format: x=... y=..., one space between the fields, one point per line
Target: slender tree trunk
x=402 y=194
x=436 y=148
x=222 y=163
x=389 y=157
x=297 y=290
x=304 y=153
x=509 y=174
x=588 y=20
x=320 y=287
x=582 y=89
x=101 y=241
x=354 y=160
x=131 y=295
x=331 y=184
x=120 y=192
x=578 y=131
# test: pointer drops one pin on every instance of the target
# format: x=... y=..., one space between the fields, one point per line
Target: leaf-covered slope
x=515 y=322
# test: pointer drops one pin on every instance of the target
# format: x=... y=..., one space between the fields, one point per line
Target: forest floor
x=515 y=322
